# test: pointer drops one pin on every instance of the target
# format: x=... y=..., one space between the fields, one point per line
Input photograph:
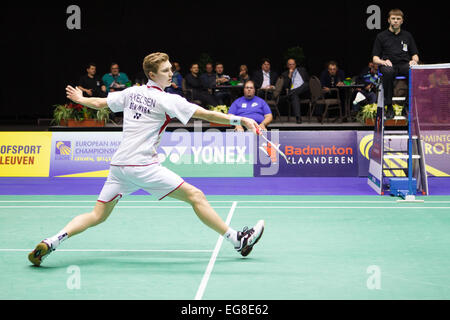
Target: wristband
x=235 y=121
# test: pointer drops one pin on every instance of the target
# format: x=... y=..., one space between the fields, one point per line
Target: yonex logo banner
x=208 y=154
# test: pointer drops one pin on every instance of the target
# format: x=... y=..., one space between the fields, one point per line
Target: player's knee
x=196 y=196
x=101 y=213
x=97 y=218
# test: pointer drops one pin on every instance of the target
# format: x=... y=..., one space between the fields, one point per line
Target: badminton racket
x=273 y=146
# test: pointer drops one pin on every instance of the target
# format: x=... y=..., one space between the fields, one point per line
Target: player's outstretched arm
x=76 y=95
x=218 y=117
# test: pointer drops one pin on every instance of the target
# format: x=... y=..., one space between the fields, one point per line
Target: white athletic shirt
x=147 y=111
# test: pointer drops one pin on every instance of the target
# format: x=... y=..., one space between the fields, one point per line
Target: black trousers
x=206 y=98
x=295 y=95
x=389 y=74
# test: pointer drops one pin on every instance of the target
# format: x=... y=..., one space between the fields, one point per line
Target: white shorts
x=155 y=179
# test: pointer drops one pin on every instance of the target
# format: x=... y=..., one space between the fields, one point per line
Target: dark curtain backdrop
x=40 y=55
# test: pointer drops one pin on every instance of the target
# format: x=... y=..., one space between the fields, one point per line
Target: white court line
x=205 y=279
x=109 y=250
x=217 y=201
x=399 y=207
x=116 y=207
x=326 y=207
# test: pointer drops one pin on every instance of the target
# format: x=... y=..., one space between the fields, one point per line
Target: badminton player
x=147 y=111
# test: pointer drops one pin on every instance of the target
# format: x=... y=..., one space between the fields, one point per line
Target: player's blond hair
x=153 y=61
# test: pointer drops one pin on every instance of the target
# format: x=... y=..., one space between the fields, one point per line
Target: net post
x=410 y=148
x=410 y=195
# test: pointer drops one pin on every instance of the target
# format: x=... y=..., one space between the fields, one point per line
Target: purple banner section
x=377 y=152
x=211 y=153
x=81 y=152
x=437 y=152
x=312 y=153
x=214 y=186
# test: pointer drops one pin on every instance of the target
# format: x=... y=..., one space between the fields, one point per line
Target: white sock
x=56 y=240
x=231 y=235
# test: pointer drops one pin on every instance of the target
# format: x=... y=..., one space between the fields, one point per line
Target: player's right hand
x=74 y=94
x=251 y=125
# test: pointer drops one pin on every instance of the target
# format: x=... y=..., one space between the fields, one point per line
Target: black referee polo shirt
x=399 y=48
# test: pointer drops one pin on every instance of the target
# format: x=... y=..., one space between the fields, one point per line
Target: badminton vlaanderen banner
x=312 y=154
x=189 y=154
x=25 y=154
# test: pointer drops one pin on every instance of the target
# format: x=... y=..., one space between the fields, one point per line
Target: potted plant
x=76 y=115
x=368 y=113
x=61 y=114
x=220 y=108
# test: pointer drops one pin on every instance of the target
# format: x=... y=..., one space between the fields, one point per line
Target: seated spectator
x=115 y=80
x=296 y=80
x=369 y=77
x=265 y=78
x=177 y=79
x=331 y=77
x=222 y=96
x=208 y=78
x=90 y=83
x=243 y=74
x=198 y=91
x=252 y=107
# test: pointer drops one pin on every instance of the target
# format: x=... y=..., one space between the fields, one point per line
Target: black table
x=235 y=91
x=349 y=89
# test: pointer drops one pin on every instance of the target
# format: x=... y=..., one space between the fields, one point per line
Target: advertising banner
x=436 y=153
x=24 y=154
x=189 y=154
x=83 y=154
x=208 y=154
x=312 y=154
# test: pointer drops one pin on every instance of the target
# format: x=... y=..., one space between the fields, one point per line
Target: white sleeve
x=178 y=107
x=116 y=101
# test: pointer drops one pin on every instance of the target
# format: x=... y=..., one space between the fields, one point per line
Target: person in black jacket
x=296 y=79
x=199 y=92
x=265 y=78
x=394 y=51
x=91 y=84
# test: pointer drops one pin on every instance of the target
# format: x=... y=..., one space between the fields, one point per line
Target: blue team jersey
x=255 y=108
